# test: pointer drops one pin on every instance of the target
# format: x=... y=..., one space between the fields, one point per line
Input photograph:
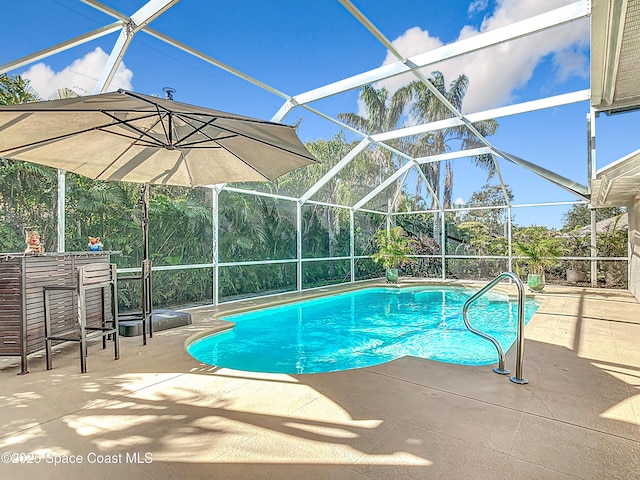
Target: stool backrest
x=96 y=274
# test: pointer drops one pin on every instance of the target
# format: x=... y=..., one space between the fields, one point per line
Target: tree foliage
x=427 y=107
x=580 y=216
x=383 y=113
x=16 y=90
x=540 y=246
x=394 y=247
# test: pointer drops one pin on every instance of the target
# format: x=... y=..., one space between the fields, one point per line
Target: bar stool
x=90 y=277
x=146 y=304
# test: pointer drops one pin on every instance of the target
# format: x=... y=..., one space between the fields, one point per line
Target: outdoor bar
x=23 y=277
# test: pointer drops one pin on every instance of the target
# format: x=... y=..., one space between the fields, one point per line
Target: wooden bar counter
x=22 y=278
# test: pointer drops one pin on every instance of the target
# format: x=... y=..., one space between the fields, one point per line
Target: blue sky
x=295 y=46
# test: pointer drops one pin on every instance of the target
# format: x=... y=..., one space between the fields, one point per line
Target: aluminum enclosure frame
x=139 y=21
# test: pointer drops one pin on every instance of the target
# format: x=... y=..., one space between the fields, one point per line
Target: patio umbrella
x=131 y=137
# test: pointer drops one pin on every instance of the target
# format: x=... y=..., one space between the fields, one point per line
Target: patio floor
x=158 y=414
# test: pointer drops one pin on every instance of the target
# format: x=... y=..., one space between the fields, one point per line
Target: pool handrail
x=517 y=378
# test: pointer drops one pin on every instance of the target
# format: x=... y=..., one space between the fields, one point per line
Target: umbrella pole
x=146 y=275
x=145 y=220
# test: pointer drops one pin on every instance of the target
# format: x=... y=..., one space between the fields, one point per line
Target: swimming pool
x=364 y=328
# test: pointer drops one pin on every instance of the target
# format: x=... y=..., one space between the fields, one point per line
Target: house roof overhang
x=615 y=56
x=615 y=89
x=617 y=183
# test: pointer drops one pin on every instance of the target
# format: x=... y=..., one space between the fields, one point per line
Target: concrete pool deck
x=159 y=414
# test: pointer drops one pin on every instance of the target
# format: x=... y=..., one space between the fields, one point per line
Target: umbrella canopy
x=126 y=136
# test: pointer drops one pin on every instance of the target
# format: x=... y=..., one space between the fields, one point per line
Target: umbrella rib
x=167 y=130
x=152 y=142
x=143 y=134
x=191 y=118
x=180 y=142
x=159 y=110
x=237 y=134
x=143 y=142
x=48 y=140
x=231 y=133
x=150 y=139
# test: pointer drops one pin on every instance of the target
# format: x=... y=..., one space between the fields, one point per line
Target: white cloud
x=496 y=73
x=477 y=6
x=81 y=76
x=410 y=43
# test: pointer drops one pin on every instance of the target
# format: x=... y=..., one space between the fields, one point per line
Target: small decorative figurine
x=32 y=239
x=95 y=245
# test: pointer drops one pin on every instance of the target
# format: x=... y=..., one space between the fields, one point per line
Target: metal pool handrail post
x=520 y=327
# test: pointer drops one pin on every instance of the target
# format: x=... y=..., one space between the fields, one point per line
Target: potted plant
x=394 y=247
x=578 y=246
x=541 y=248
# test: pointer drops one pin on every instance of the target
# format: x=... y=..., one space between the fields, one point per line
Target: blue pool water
x=363 y=328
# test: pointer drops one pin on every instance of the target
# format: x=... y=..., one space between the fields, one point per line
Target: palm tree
x=63 y=93
x=428 y=108
x=383 y=114
x=15 y=90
